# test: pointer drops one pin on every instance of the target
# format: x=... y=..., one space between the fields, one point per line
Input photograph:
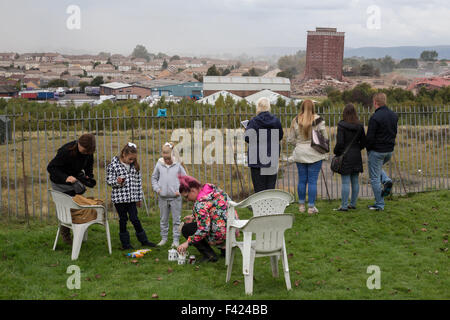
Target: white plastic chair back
x=63 y=203
x=266 y=202
x=269 y=231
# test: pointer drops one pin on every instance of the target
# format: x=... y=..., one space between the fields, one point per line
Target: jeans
x=308 y=173
x=346 y=181
x=377 y=175
x=131 y=209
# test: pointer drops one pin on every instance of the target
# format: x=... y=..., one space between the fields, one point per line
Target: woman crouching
x=208 y=224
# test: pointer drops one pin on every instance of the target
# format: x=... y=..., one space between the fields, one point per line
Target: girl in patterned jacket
x=124 y=177
x=208 y=224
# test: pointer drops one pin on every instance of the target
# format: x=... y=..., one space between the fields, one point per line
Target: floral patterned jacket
x=210 y=213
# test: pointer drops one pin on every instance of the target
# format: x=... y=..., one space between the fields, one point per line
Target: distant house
x=8 y=91
x=7 y=56
x=429 y=83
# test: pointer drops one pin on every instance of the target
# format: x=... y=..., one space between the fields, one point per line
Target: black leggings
x=128 y=209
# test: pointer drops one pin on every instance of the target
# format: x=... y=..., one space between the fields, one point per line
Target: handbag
x=319 y=142
x=336 y=161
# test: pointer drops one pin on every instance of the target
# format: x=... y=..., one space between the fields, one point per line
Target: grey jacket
x=165 y=178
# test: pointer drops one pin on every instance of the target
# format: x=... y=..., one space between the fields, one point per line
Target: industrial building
x=124 y=91
x=245 y=86
x=324 y=54
x=193 y=90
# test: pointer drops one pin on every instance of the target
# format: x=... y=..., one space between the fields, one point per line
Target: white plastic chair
x=64 y=203
x=265 y=202
x=269 y=242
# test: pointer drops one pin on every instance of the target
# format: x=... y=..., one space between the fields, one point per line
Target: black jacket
x=64 y=164
x=382 y=130
x=346 y=131
x=264 y=120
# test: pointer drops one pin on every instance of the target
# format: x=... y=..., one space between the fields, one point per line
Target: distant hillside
x=396 y=52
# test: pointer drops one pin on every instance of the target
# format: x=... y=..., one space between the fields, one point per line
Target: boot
x=207 y=252
x=65 y=235
x=125 y=240
x=142 y=237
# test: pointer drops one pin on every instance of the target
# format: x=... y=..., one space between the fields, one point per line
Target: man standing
x=380 y=145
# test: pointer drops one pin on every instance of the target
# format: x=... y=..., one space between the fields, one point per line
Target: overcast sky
x=195 y=26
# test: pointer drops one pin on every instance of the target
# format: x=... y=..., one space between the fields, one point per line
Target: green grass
x=330 y=253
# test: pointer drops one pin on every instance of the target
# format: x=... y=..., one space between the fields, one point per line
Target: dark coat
x=382 y=130
x=263 y=120
x=346 y=131
x=64 y=164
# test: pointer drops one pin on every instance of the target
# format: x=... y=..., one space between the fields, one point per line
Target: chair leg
x=285 y=264
x=85 y=237
x=230 y=264
x=228 y=248
x=108 y=236
x=57 y=236
x=248 y=278
x=274 y=263
x=78 y=234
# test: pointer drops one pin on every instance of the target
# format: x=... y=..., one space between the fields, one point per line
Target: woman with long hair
x=71 y=170
x=350 y=134
x=308 y=160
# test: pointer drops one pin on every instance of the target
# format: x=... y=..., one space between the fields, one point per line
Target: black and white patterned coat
x=131 y=189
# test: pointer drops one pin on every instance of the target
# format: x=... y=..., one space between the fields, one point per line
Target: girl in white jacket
x=166 y=184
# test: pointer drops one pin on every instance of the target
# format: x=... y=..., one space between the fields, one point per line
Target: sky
x=216 y=26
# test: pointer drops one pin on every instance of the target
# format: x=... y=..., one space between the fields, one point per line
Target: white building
x=272 y=96
x=211 y=99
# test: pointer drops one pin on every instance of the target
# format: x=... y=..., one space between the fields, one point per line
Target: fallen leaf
x=296 y=233
x=88 y=279
x=156 y=260
x=297 y=282
x=75 y=295
x=425 y=224
x=134 y=261
x=97 y=276
x=354 y=230
x=312 y=259
x=103 y=294
x=169 y=270
x=197 y=268
x=236 y=282
x=445 y=241
x=159 y=278
x=298 y=272
x=155 y=296
x=290 y=255
x=54 y=265
x=424 y=229
x=436 y=272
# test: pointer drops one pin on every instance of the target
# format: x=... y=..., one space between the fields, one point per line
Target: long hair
x=349 y=114
x=126 y=151
x=306 y=117
x=187 y=183
x=87 y=141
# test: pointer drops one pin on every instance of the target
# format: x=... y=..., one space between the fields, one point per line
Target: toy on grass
x=138 y=253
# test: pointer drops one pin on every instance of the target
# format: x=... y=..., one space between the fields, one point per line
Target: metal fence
x=420 y=161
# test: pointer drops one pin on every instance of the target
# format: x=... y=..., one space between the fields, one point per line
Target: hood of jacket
x=349 y=126
x=266 y=120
